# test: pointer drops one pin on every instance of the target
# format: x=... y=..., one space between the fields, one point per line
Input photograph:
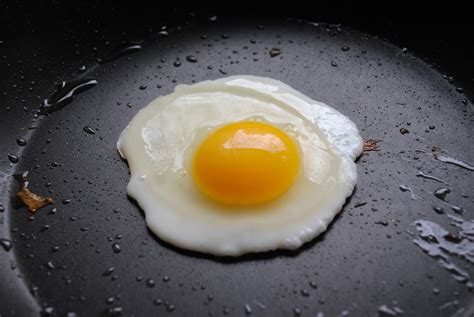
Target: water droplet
x=166 y=279
x=170 y=308
x=344 y=48
x=441 y=193
x=191 y=59
x=333 y=64
x=44 y=228
x=360 y=204
x=65 y=201
x=143 y=87
x=275 y=52
x=116 y=248
x=21 y=142
x=13 y=158
x=225 y=36
x=6 y=244
x=89 y=130
x=177 y=63
x=304 y=293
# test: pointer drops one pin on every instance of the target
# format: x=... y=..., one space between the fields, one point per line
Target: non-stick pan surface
x=65 y=258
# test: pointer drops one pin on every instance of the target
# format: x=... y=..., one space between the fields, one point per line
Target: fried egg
x=239 y=164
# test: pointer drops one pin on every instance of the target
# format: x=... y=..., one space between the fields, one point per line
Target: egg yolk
x=246 y=163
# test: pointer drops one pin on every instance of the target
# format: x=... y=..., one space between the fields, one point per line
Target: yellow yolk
x=246 y=163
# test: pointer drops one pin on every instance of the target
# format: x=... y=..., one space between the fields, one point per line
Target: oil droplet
x=120 y=51
x=13 y=158
x=405 y=188
x=65 y=94
x=6 y=244
x=48 y=311
x=115 y=311
x=116 y=248
x=454 y=161
x=89 y=130
x=438 y=210
x=150 y=283
x=404 y=131
x=385 y=311
x=304 y=293
x=275 y=52
x=441 y=193
x=360 y=204
x=109 y=271
x=440 y=243
x=248 y=309
x=21 y=142
x=191 y=59
x=423 y=175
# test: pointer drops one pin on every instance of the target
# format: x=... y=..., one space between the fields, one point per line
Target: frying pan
x=386 y=75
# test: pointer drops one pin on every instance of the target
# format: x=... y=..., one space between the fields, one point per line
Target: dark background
x=355 y=265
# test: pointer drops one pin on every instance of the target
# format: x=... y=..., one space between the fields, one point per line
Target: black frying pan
x=64 y=259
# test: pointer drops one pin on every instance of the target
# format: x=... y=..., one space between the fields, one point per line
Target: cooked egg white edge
x=337 y=129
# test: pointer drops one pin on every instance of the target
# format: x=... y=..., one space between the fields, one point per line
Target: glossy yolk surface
x=246 y=163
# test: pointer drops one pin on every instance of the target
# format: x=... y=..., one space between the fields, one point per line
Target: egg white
x=160 y=141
